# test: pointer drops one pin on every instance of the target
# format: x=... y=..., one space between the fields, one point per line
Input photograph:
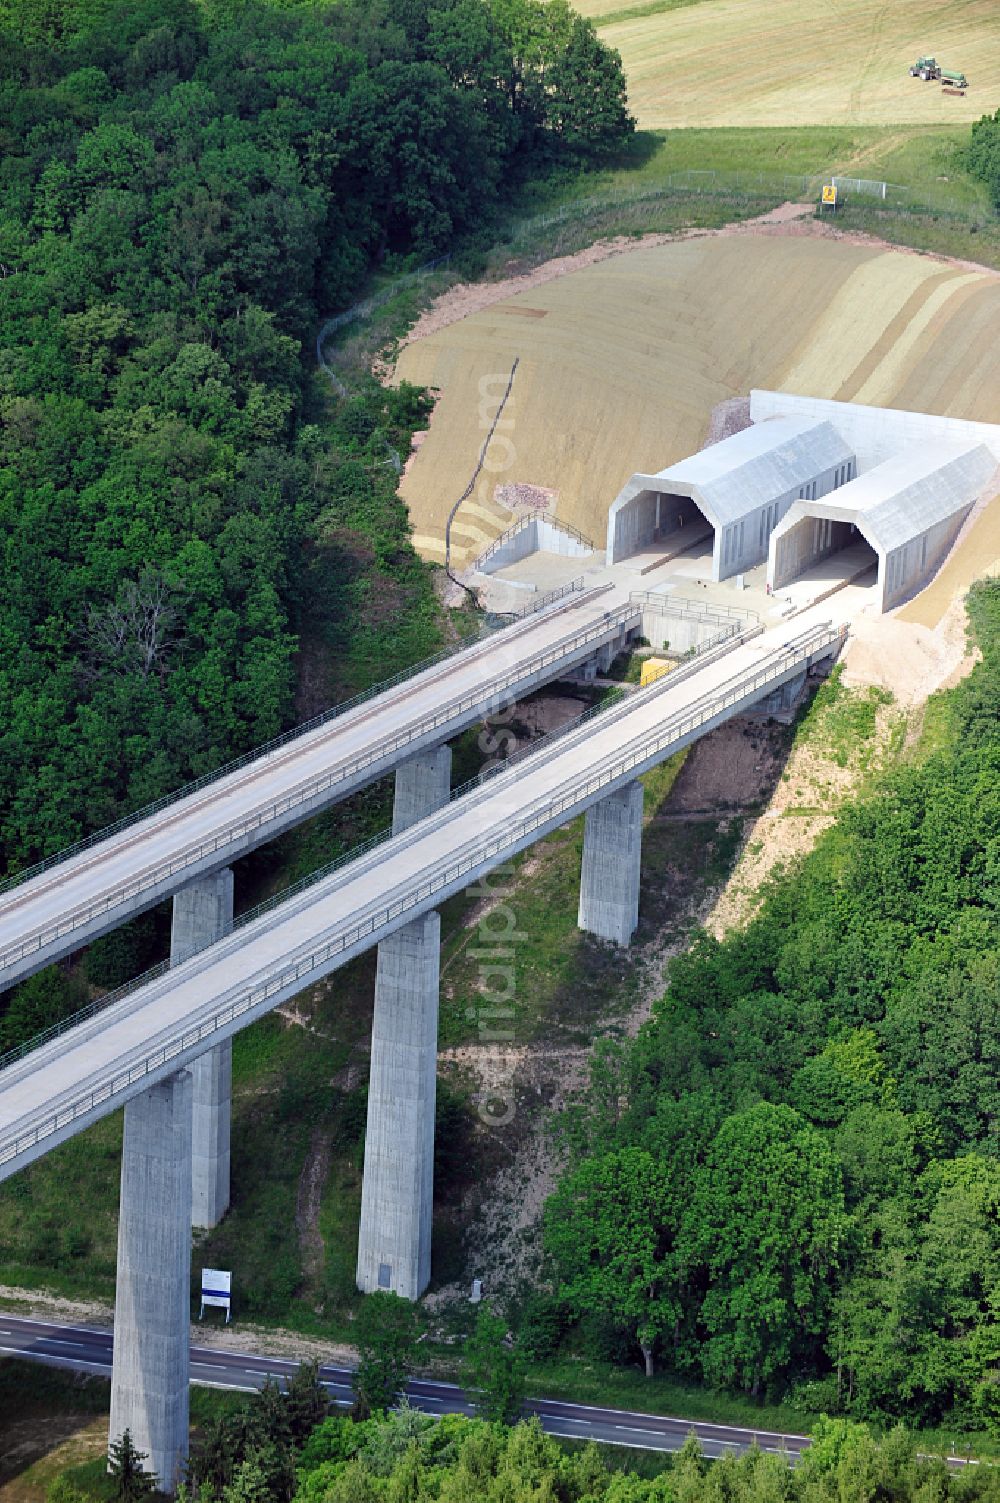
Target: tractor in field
x=929 y=68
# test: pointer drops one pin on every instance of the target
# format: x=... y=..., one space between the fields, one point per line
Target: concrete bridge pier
x=202 y=914
x=609 y=878
x=394 y=1244
x=150 y=1374
x=780 y=700
x=606 y=656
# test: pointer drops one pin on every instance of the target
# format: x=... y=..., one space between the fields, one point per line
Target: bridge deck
x=96 y=889
x=89 y=1071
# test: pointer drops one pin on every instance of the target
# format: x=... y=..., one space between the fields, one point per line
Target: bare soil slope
x=793 y=62
x=623 y=360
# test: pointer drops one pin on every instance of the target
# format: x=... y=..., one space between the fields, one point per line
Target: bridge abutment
x=783 y=699
x=609 y=878
x=202 y=914
x=149 y=1384
x=394 y=1244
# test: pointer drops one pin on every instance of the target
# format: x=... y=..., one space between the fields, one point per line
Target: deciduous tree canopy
x=187 y=189
x=791 y=1175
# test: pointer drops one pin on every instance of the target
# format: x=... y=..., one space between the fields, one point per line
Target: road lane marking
x=671 y=1419
x=235 y=1387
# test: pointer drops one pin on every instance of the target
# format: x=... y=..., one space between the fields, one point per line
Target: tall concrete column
x=202 y=914
x=612 y=852
x=149 y=1383
x=394 y=1244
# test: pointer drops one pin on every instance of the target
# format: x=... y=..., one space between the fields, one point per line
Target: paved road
x=86 y=1349
x=95 y=1067
x=70 y=903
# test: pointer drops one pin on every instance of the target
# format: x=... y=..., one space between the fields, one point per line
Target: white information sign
x=216 y=1289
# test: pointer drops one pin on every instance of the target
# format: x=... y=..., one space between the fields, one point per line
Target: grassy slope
x=926 y=160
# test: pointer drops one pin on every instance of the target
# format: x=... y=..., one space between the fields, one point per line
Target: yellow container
x=652 y=669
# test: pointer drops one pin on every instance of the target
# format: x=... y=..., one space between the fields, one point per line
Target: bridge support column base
x=149 y=1384
x=612 y=852
x=202 y=914
x=394 y=1247
x=394 y=1244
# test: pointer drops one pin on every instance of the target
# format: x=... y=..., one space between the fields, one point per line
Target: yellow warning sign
x=830 y=193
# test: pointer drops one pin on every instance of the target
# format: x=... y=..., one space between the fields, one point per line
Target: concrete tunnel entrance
x=661 y=524
x=826 y=548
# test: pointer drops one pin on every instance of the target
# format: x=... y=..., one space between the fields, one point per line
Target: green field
x=927 y=162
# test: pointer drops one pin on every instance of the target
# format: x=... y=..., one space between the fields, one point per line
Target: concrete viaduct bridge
x=163 y=1049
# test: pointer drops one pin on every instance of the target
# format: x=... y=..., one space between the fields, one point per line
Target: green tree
x=387 y=1331
x=307 y=1402
x=589 y=103
x=920 y=1320
x=604 y=1233
x=764 y=1231
x=492 y=1368
x=128 y=1480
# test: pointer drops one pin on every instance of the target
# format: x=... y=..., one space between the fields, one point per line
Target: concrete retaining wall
x=875 y=433
x=903 y=569
x=539 y=536
x=678 y=634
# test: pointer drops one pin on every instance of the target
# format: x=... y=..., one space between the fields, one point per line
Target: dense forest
x=790 y=1179
x=405 y=1457
x=186 y=189
x=281 y=1449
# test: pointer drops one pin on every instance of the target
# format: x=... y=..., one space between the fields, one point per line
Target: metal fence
x=691 y=610
x=869 y=187
x=765 y=188
x=368 y=305
x=743 y=186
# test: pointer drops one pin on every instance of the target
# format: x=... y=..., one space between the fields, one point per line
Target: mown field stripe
x=896 y=329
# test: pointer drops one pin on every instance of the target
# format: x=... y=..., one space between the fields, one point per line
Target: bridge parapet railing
x=698 y=658
x=445 y=874
x=267 y=748
x=236 y=764
x=310 y=788
x=535 y=749
x=691 y=610
x=540 y=602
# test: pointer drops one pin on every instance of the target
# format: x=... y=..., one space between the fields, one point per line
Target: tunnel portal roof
x=738 y=475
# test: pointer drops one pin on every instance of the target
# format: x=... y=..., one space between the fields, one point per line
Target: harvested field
x=638 y=348
x=735 y=62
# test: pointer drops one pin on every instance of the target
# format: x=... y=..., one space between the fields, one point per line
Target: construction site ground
x=625 y=350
